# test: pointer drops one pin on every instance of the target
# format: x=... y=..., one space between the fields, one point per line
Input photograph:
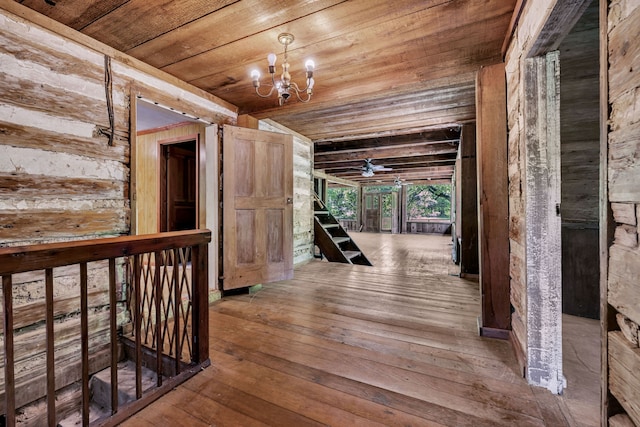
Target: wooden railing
x=164 y=277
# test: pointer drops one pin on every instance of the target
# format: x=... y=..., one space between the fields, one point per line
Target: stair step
x=341 y=239
x=352 y=254
x=101 y=384
x=334 y=225
x=321 y=212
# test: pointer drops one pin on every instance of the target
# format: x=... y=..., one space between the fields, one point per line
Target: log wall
x=623 y=287
x=64 y=175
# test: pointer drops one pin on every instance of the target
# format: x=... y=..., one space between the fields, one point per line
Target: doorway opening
x=381 y=212
x=178 y=185
x=562 y=152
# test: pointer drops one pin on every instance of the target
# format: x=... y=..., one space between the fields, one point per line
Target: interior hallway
x=393 y=344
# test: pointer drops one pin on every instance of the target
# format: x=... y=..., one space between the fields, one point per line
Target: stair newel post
x=201 y=303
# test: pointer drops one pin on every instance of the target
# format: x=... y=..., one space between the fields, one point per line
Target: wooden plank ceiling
x=394 y=79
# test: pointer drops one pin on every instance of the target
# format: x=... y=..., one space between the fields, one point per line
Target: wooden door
x=395 y=215
x=257 y=207
x=372 y=213
x=386 y=212
x=178 y=187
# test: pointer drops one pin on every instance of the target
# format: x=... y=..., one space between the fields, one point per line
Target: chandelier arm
x=268 y=94
x=302 y=99
x=297 y=88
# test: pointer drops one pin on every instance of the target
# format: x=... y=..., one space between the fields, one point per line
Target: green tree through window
x=429 y=201
x=342 y=202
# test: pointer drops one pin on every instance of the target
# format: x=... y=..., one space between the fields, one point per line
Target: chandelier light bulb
x=310 y=65
x=272 y=59
x=311 y=83
x=255 y=74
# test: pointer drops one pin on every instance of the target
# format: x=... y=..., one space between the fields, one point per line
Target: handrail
x=175 y=260
x=20 y=259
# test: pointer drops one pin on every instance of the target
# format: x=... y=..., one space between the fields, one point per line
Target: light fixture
x=367 y=173
x=285 y=87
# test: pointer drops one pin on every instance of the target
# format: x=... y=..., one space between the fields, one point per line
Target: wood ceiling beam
x=429 y=181
x=418 y=161
x=434 y=136
x=332 y=178
x=395 y=169
x=437 y=172
x=392 y=152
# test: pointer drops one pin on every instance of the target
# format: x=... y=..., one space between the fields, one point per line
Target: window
x=342 y=202
x=429 y=202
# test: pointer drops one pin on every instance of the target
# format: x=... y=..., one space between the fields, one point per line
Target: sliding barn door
x=257 y=207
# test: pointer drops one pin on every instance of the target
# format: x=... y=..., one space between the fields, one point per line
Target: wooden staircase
x=333 y=240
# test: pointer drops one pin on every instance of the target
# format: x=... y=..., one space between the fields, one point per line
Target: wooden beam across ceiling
x=420 y=149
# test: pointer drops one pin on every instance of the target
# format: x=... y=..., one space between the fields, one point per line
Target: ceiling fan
x=368 y=169
x=400 y=182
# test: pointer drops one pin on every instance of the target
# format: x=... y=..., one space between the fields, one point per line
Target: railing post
x=176 y=310
x=157 y=284
x=51 y=371
x=200 y=303
x=113 y=331
x=9 y=374
x=84 y=338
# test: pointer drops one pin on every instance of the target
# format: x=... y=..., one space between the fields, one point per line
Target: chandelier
x=285 y=87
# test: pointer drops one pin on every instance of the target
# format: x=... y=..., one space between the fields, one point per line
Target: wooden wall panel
x=148 y=174
x=580 y=166
x=493 y=200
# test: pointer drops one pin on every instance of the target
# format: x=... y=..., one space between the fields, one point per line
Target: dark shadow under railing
x=163 y=319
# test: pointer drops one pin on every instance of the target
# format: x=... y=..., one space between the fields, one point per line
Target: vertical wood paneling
x=580 y=149
x=148 y=174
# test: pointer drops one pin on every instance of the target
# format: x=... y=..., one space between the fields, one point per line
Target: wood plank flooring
x=395 y=344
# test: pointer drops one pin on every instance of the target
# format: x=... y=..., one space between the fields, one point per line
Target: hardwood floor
x=341 y=345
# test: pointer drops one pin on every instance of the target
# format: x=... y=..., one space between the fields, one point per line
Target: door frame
x=395 y=214
x=200 y=165
x=208 y=175
x=543 y=251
